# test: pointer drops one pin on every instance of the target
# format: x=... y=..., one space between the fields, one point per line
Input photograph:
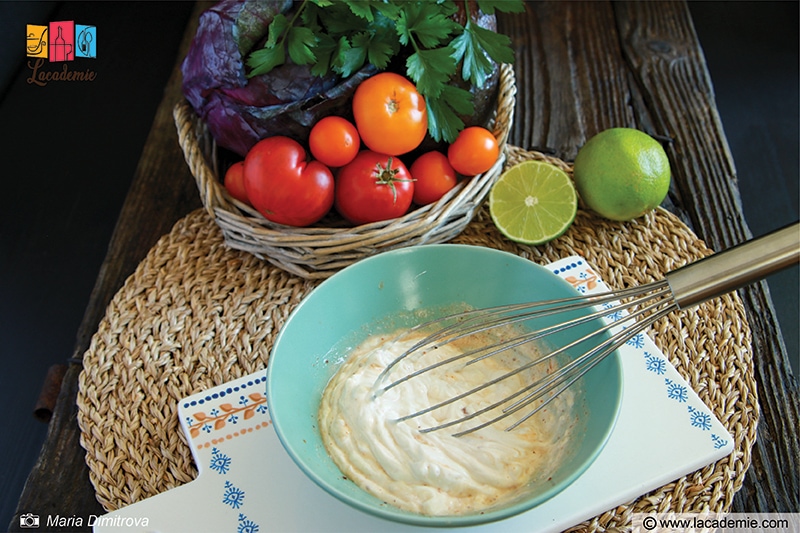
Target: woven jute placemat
x=196 y=314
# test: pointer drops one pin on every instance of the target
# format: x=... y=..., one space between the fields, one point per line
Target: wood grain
x=567 y=61
x=585 y=66
x=676 y=85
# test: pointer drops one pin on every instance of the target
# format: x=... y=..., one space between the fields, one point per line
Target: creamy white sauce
x=436 y=473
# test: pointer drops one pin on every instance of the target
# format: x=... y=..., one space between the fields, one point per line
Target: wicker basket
x=318 y=252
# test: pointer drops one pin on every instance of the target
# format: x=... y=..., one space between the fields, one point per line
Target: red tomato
x=390 y=114
x=234 y=182
x=475 y=150
x=433 y=177
x=283 y=186
x=373 y=187
x=334 y=141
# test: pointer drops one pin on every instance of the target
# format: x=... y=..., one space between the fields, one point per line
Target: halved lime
x=533 y=202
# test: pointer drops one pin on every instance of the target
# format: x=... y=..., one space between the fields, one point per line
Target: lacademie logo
x=60 y=42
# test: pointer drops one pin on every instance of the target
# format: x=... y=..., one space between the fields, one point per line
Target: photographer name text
x=94 y=520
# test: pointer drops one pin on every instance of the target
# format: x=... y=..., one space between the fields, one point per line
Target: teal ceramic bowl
x=381 y=294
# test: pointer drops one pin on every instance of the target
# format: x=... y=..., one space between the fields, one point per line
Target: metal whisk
x=637 y=307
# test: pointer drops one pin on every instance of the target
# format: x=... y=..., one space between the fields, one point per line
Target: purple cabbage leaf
x=238 y=110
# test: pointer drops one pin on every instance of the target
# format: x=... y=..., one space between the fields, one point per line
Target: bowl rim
x=387 y=510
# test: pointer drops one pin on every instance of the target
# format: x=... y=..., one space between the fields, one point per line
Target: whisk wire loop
x=476 y=321
x=618 y=340
x=628 y=312
x=561 y=379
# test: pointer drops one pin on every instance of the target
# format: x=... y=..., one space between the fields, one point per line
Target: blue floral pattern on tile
x=655 y=364
x=637 y=341
x=718 y=441
x=233 y=496
x=246 y=526
x=699 y=419
x=676 y=391
x=586 y=281
x=218 y=416
x=219 y=461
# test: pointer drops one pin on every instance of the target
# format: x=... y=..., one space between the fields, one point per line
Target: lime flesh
x=533 y=202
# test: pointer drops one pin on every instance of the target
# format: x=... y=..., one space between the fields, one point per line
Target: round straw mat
x=196 y=314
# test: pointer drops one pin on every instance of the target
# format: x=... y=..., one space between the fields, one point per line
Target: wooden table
x=581 y=67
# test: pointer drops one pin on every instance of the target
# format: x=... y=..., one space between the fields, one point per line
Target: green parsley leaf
x=431 y=69
x=496 y=45
x=300 y=42
x=476 y=66
x=476 y=47
x=340 y=20
x=276 y=29
x=423 y=22
x=388 y=10
x=348 y=59
x=325 y=50
x=443 y=120
x=338 y=57
x=459 y=99
x=378 y=49
x=361 y=9
x=384 y=38
x=264 y=60
x=312 y=17
x=506 y=6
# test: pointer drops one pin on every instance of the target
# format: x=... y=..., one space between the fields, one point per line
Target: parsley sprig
x=341 y=36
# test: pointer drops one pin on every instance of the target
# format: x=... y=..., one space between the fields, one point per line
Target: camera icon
x=29 y=521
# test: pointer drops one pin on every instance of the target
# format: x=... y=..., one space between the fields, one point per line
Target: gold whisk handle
x=736 y=267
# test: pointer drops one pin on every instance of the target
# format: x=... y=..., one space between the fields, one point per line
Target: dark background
x=69 y=152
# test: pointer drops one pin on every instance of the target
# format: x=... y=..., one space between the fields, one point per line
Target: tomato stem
x=388 y=176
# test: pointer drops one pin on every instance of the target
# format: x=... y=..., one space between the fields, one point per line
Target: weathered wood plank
x=639 y=64
x=567 y=61
x=661 y=46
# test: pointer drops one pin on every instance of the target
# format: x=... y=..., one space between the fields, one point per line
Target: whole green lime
x=622 y=173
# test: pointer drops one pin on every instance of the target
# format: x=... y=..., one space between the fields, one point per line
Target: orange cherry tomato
x=433 y=177
x=475 y=150
x=334 y=141
x=234 y=182
x=390 y=114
